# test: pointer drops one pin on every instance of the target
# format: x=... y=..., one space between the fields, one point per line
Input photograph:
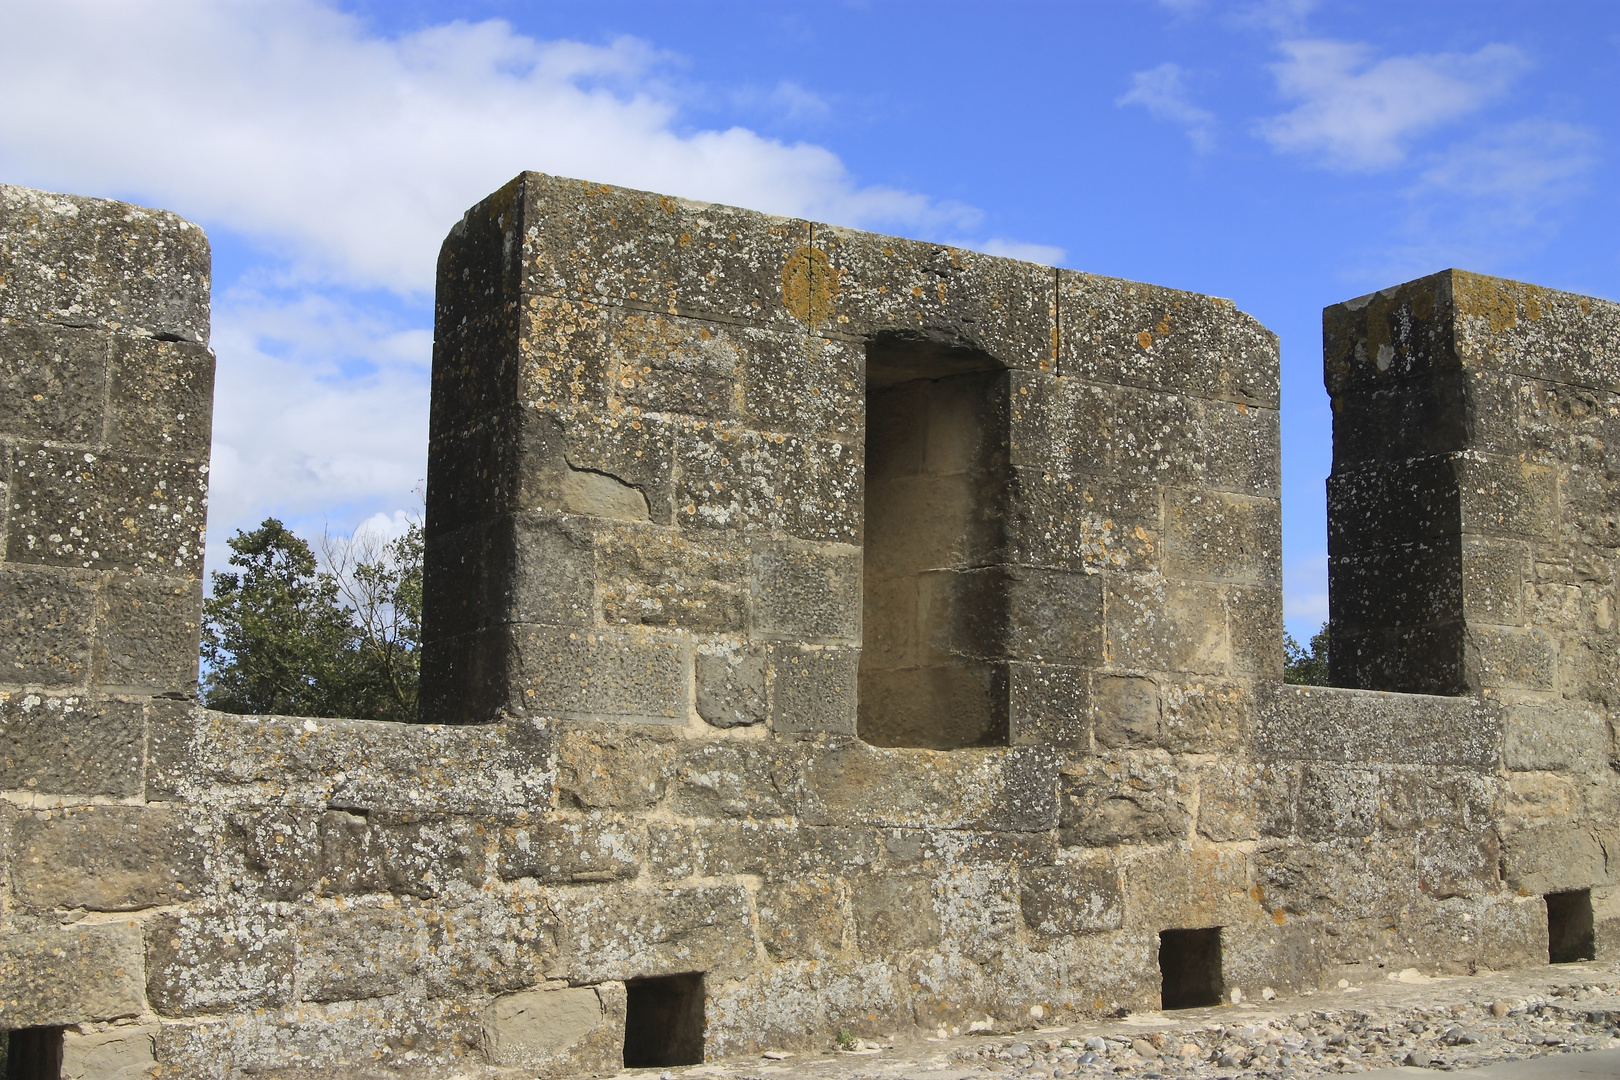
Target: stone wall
x=671 y=442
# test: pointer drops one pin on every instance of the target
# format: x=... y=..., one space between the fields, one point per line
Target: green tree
x=282 y=635
x=1306 y=667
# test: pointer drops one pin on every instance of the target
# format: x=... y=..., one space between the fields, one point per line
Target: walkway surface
x=1552 y=1023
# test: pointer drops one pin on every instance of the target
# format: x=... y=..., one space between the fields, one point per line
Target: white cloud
x=1161 y=91
x=1355 y=114
x=1305 y=591
x=320 y=412
x=348 y=156
x=1485 y=201
x=355 y=154
x=1275 y=16
x=1045 y=254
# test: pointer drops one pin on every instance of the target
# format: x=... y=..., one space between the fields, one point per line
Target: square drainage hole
x=663 y=1021
x=1569 y=927
x=33 y=1053
x=1190 y=967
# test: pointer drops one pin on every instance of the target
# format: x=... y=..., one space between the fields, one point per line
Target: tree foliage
x=283 y=635
x=1306 y=666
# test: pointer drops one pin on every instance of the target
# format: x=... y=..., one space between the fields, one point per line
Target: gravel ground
x=1442 y=1023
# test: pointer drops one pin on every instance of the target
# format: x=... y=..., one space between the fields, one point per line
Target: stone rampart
x=823 y=631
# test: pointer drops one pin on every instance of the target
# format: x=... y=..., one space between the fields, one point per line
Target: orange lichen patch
x=1144 y=339
x=1278 y=917
x=809 y=285
x=1489 y=298
x=1164 y=326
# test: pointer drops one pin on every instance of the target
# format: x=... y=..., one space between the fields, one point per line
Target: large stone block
x=1218 y=536
x=106 y=511
x=664 y=577
x=1329 y=724
x=1123 y=799
x=105 y=858
x=84 y=972
x=71 y=745
x=53 y=382
x=147 y=634
x=1115 y=331
x=813 y=689
x=807 y=593
x=735 y=478
x=212 y=960
x=619 y=934
x=125 y=1052
x=356 y=951
x=564 y=851
x=1072 y=898
x=97 y=262
x=45 y=620
x=1553 y=858
x=584 y=674
x=536 y=1027
x=160 y=398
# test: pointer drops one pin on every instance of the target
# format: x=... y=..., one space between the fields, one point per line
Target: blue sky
x=1285 y=154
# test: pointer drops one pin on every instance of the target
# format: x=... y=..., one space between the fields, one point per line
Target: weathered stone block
x=1336 y=801
x=1125 y=332
x=125 y=1052
x=1303 y=723
x=807 y=594
x=1238 y=801
x=280 y=850
x=147 y=634
x=1123 y=800
x=1205 y=716
x=732 y=780
x=1556 y=735
x=71 y=745
x=563 y=851
x=1165 y=626
x=810 y=385
x=1002 y=790
x=160 y=398
x=53 y=382
x=1126 y=713
x=1553 y=858
x=1080 y=521
x=885 y=284
x=96 y=262
x=45 y=619
x=602 y=770
x=71 y=974
x=734 y=478
x=895 y=913
x=623 y=934
x=358 y=951
x=801 y=919
x=1053 y=615
x=1180 y=889
x=1510 y=657
x=1048 y=705
x=1072 y=898
x=1218 y=536
x=203 y=961
x=105 y=858
x=639 y=676
x=404 y=854
x=732 y=685
x=813 y=689
x=127 y=513
x=535 y=1027
x=651 y=576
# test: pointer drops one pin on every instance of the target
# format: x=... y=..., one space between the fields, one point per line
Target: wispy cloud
x=1284 y=17
x=1488 y=200
x=1045 y=254
x=1163 y=93
x=1359 y=115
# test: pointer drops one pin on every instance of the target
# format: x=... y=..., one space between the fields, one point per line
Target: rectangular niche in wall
x=1569 y=927
x=663 y=1021
x=933 y=671
x=1190 y=966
